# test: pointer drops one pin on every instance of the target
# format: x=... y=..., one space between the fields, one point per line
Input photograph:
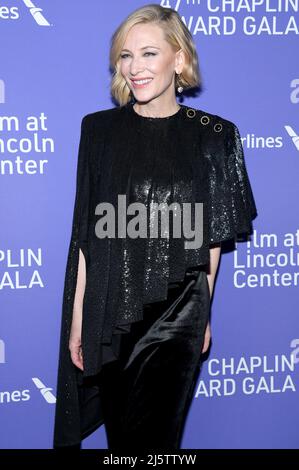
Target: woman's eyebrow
x=145 y=47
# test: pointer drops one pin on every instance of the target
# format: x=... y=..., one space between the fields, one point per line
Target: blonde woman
x=136 y=306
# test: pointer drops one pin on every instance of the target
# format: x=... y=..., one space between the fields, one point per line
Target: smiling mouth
x=141 y=83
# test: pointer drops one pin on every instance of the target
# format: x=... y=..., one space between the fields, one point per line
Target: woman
x=135 y=317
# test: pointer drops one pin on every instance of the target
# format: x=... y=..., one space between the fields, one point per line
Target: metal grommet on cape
x=205 y=120
x=218 y=127
x=191 y=112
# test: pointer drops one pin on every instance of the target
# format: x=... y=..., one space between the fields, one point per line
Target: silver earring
x=180 y=88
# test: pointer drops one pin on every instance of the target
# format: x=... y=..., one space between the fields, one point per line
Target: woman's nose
x=136 y=66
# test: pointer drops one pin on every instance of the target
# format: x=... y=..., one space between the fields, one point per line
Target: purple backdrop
x=54 y=69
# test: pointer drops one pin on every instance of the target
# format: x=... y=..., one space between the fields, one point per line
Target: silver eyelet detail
x=191 y=112
x=205 y=120
x=218 y=127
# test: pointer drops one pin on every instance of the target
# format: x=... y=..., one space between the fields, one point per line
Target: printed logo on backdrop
x=2 y=352
x=2 y=92
x=12 y=396
x=46 y=392
x=294 y=95
x=21 y=140
x=251 y=375
x=294 y=98
x=293 y=135
x=267 y=260
x=20 y=269
x=253 y=141
x=14 y=13
x=15 y=395
x=251 y=17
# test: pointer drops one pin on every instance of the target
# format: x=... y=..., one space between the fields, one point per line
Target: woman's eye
x=123 y=56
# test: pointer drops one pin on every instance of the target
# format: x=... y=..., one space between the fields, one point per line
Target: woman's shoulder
x=100 y=116
x=208 y=120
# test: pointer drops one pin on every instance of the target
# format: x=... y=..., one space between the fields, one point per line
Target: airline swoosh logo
x=45 y=391
x=293 y=135
x=37 y=14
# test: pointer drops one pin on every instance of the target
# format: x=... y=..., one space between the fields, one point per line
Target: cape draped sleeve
x=81 y=206
x=67 y=412
x=231 y=202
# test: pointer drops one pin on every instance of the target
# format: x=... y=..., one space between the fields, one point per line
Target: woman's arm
x=75 y=335
x=215 y=253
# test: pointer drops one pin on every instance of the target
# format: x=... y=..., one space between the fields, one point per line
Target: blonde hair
x=176 y=34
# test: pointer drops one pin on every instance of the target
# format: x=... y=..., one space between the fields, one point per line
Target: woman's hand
x=207 y=338
x=75 y=346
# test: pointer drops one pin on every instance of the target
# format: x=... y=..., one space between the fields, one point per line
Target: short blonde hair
x=176 y=34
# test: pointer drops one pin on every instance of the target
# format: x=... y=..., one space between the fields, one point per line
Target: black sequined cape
x=191 y=156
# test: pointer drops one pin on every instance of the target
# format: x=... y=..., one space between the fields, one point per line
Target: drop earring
x=180 y=88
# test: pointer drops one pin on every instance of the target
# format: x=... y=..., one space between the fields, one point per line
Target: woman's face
x=148 y=56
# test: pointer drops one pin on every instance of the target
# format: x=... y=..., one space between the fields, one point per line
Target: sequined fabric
x=189 y=157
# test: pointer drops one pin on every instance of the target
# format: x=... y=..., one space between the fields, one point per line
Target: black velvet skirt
x=146 y=393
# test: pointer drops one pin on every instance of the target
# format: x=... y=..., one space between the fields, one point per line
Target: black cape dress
x=192 y=157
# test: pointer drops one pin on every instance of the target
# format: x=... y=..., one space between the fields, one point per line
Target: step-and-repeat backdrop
x=53 y=70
